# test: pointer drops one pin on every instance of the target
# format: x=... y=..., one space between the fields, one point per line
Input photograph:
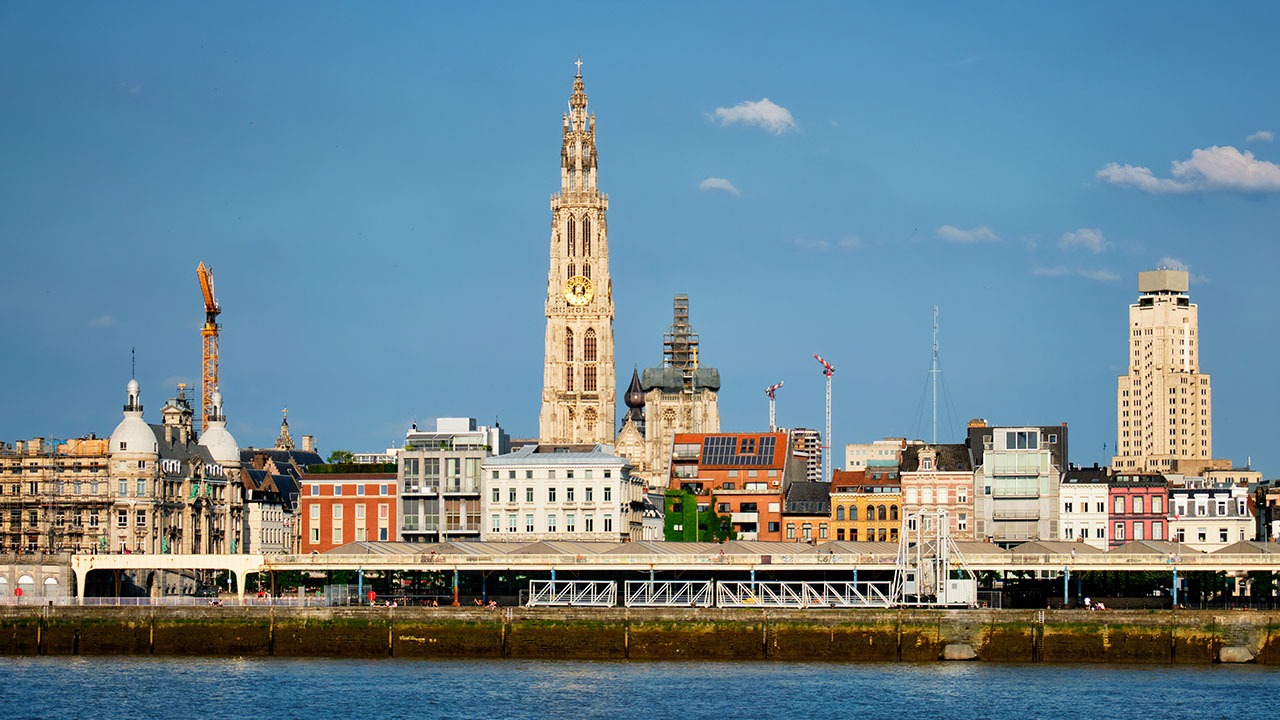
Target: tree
x=341 y=457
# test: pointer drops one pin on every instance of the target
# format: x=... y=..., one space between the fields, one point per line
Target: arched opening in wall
x=572 y=241
x=586 y=236
x=26 y=584
x=853 y=513
x=589 y=345
x=839 y=512
x=589 y=418
x=882 y=513
x=51 y=587
x=568 y=344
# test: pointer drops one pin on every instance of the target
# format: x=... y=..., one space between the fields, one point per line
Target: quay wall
x=1154 y=636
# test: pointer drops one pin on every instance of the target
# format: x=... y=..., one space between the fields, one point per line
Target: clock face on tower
x=578 y=290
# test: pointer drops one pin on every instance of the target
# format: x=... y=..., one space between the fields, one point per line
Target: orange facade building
x=744 y=474
x=866 y=505
x=343 y=508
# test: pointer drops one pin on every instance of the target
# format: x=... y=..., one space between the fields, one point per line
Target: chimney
x=308 y=443
x=35 y=445
x=19 y=447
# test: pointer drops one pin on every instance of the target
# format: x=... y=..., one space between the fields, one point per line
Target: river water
x=111 y=688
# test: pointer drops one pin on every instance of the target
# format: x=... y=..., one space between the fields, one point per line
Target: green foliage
x=351 y=468
x=681 y=508
x=341 y=457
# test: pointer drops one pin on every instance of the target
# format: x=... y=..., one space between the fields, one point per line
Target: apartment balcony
x=999 y=515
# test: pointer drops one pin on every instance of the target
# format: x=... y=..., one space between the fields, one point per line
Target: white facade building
x=558 y=492
x=1083 y=506
x=856 y=455
x=1209 y=517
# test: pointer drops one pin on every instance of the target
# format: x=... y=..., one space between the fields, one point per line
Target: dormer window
x=926 y=464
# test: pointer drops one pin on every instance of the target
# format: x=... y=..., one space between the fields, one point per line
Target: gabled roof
x=806 y=497
x=1249 y=547
x=1055 y=547
x=951 y=458
x=1154 y=547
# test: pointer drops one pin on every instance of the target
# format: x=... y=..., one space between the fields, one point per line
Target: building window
x=551 y=494
x=528 y=496
x=586 y=236
x=573 y=241
x=359 y=489
x=568 y=377
x=497 y=495
x=962 y=521
x=569 y=525
x=383 y=534
x=142 y=488
x=551 y=523
x=337 y=512
x=791 y=531
x=589 y=379
x=1119 y=533
x=568 y=494
x=608 y=491
x=853 y=512
x=511 y=494
x=511 y=522
x=337 y=536
x=1119 y=506
x=497 y=523
x=1157 y=531
x=608 y=523
x=337 y=489
x=528 y=523
x=568 y=344
x=360 y=512
x=1068 y=507
x=589 y=345
x=1137 y=509
x=839 y=513
x=122 y=519
x=124 y=488
x=140 y=519
x=587 y=491
x=589 y=523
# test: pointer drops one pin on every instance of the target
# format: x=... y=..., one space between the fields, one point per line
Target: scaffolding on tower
x=771 y=392
x=209 y=335
x=680 y=350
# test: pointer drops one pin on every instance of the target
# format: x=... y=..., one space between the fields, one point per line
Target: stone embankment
x=648 y=634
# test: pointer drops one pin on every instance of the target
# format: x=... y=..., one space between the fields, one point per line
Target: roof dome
x=634 y=397
x=222 y=447
x=132 y=435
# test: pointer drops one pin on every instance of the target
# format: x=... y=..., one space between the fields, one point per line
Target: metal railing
x=803 y=594
x=664 y=593
x=573 y=593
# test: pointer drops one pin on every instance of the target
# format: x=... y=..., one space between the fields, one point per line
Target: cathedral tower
x=578 y=386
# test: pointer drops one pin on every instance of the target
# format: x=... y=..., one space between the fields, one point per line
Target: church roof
x=671 y=379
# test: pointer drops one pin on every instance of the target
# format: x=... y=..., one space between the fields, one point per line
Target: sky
x=371 y=184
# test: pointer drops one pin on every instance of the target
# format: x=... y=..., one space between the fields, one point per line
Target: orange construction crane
x=209 y=360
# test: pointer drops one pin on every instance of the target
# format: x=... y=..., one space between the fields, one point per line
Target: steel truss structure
x=775 y=594
x=573 y=593
x=931 y=570
x=665 y=593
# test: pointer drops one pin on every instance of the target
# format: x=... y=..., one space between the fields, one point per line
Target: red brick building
x=1138 y=508
x=744 y=474
x=342 y=508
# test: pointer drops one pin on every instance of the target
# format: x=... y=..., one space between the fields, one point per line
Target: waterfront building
x=806 y=444
x=806 y=511
x=55 y=496
x=1017 y=473
x=1208 y=516
x=680 y=396
x=272 y=481
x=866 y=504
x=1138 y=507
x=1266 y=504
x=578 y=395
x=1164 y=406
x=170 y=494
x=440 y=479
x=561 y=492
x=341 y=508
x=938 y=477
x=856 y=455
x=1083 y=500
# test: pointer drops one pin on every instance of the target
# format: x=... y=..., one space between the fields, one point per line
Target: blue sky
x=371 y=184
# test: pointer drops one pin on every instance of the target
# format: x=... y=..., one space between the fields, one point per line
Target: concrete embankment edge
x=1193 y=637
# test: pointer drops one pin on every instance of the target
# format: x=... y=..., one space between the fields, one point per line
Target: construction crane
x=827 y=369
x=770 y=391
x=209 y=358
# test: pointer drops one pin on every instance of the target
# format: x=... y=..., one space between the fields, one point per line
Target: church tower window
x=586 y=236
x=568 y=378
x=572 y=242
x=568 y=344
x=589 y=380
x=589 y=346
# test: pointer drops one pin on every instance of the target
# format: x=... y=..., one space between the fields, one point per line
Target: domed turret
x=132 y=435
x=221 y=445
x=634 y=398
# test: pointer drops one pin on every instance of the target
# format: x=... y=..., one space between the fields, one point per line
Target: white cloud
x=1215 y=168
x=1261 y=136
x=1060 y=271
x=850 y=242
x=1090 y=239
x=715 y=183
x=762 y=113
x=102 y=321
x=816 y=245
x=951 y=233
x=1173 y=264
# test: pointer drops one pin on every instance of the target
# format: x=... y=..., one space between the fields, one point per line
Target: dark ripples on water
x=177 y=689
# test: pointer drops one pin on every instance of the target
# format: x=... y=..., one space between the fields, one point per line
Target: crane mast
x=209 y=336
x=770 y=392
x=828 y=370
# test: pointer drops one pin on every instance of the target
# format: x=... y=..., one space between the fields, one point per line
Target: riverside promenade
x=889 y=635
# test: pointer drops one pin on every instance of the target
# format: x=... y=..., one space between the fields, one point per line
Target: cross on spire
x=579 y=64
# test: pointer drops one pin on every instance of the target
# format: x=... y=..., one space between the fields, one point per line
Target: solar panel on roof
x=732 y=450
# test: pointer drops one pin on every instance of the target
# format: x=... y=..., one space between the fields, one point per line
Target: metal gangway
x=778 y=594
x=573 y=593
x=669 y=593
